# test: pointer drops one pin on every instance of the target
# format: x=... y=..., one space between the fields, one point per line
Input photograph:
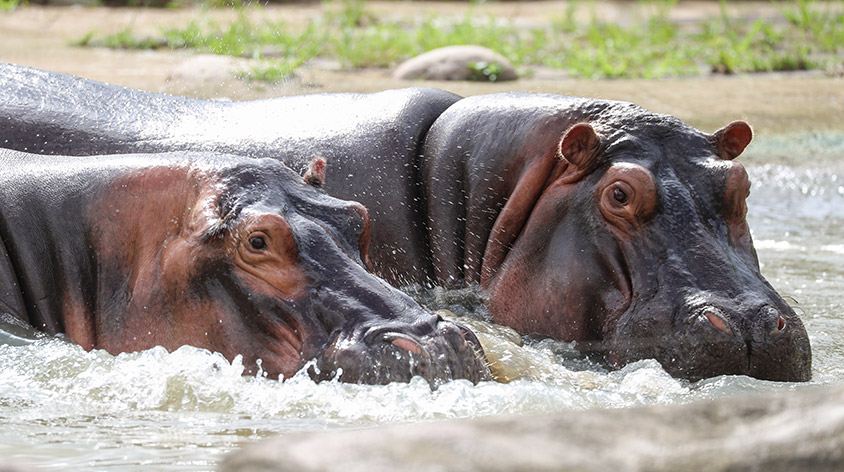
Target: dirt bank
x=774 y=103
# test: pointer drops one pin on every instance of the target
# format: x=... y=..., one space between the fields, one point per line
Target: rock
x=457 y=63
x=11 y=468
x=208 y=68
x=790 y=430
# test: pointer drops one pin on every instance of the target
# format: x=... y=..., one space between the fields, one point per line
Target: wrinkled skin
x=231 y=254
x=488 y=190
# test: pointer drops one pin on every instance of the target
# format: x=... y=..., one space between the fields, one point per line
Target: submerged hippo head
x=638 y=241
x=249 y=259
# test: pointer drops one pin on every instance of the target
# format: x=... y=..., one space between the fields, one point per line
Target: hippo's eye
x=258 y=243
x=627 y=196
x=620 y=196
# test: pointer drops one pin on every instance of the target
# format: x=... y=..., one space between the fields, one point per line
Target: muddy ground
x=774 y=103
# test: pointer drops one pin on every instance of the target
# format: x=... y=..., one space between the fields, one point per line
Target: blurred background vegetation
x=804 y=35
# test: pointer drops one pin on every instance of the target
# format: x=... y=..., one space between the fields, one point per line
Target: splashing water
x=63 y=408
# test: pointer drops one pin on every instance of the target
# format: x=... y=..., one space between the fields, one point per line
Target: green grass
x=652 y=46
x=246 y=39
x=271 y=71
x=606 y=50
x=9 y=5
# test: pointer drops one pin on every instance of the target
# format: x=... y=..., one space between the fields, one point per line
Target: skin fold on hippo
x=236 y=255
x=582 y=220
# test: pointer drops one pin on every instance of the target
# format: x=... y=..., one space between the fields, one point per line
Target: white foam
x=836 y=248
x=774 y=245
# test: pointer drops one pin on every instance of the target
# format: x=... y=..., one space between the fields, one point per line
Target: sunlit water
x=67 y=409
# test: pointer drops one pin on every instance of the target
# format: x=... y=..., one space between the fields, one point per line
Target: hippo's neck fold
x=482 y=181
x=84 y=243
x=48 y=270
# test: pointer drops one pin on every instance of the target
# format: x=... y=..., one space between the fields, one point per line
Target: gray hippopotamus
x=583 y=220
x=370 y=141
x=233 y=254
x=601 y=222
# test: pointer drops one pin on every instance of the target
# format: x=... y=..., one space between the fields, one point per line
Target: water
x=62 y=408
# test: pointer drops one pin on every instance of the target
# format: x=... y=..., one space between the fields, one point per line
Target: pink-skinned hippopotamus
x=583 y=220
x=236 y=255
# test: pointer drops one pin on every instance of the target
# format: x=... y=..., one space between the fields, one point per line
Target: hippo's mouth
x=383 y=356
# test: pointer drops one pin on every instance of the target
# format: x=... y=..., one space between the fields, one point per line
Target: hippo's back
x=52 y=113
x=372 y=141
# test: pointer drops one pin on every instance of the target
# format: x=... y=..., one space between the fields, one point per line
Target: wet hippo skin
x=371 y=141
x=582 y=220
x=237 y=255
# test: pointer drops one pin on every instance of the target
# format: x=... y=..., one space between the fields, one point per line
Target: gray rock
x=457 y=63
x=791 y=430
x=12 y=468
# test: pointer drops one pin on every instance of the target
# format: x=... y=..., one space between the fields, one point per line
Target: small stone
x=457 y=63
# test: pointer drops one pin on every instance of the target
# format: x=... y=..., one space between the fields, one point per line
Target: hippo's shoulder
x=400 y=105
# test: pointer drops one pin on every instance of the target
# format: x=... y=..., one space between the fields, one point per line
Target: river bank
x=774 y=103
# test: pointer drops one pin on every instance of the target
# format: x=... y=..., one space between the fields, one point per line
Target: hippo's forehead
x=689 y=177
x=310 y=212
x=264 y=185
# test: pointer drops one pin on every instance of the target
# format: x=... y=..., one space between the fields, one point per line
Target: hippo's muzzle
x=397 y=353
x=772 y=343
x=715 y=336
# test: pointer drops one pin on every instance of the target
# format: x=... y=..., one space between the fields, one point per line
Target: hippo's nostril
x=780 y=324
x=717 y=321
x=404 y=342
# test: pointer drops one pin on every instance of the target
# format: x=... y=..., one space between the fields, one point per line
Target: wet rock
x=209 y=68
x=12 y=468
x=457 y=63
x=791 y=430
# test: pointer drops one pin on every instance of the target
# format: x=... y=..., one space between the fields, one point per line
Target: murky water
x=64 y=408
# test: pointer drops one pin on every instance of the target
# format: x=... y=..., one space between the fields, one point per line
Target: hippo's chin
x=710 y=358
x=452 y=353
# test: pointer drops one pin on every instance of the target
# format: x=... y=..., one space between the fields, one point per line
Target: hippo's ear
x=580 y=147
x=731 y=140
x=315 y=174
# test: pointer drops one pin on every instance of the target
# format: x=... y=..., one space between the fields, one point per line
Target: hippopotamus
x=582 y=220
x=233 y=254
x=370 y=140
x=601 y=222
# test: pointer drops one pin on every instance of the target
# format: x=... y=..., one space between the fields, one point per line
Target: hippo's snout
x=767 y=325
x=762 y=339
x=779 y=347
x=763 y=342
x=381 y=355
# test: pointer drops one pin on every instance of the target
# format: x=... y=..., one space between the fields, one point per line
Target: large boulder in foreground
x=457 y=63
x=801 y=430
